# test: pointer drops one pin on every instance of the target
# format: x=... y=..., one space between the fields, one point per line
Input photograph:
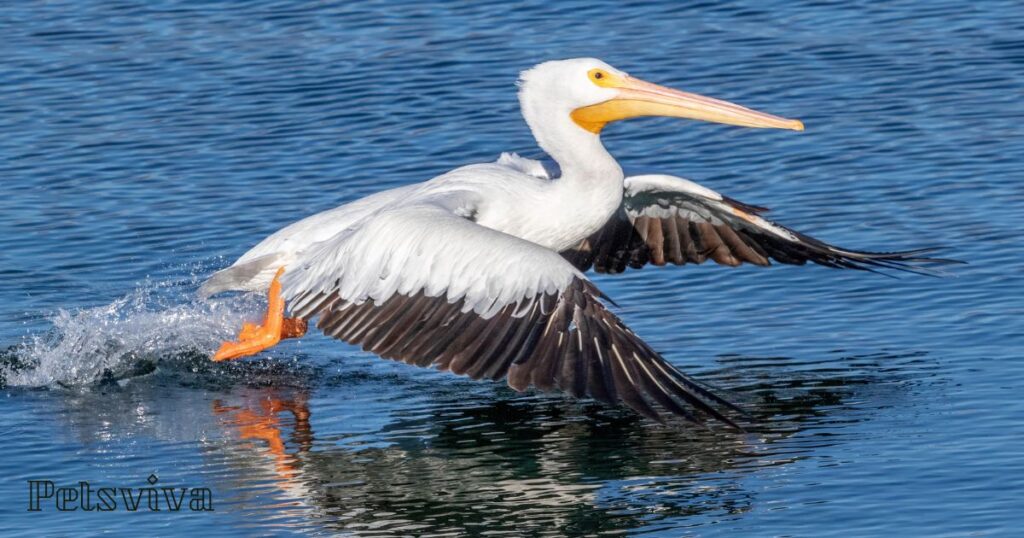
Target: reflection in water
x=471 y=459
x=262 y=423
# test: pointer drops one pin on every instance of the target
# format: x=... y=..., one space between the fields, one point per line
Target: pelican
x=480 y=271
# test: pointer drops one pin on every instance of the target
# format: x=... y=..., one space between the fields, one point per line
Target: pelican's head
x=592 y=94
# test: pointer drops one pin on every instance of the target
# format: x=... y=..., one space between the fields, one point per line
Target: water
x=144 y=146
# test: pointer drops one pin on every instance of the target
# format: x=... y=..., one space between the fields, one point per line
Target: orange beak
x=639 y=98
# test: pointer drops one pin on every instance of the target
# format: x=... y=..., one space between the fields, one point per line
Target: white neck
x=578 y=152
x=589 y=190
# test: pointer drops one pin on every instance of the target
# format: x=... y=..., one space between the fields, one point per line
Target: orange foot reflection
x=264 y=424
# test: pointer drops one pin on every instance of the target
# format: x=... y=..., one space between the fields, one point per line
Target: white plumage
x=479 y=270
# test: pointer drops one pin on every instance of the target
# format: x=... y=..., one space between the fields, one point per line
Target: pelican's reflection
x=355 y=452
x=520 y=463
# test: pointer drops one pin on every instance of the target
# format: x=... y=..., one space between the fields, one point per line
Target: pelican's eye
x=600 y=77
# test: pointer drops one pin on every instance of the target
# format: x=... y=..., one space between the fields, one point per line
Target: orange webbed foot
x=255 y=338
x=249 y=331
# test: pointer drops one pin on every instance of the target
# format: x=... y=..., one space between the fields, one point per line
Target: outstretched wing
x=666 y=219
x=424 y=286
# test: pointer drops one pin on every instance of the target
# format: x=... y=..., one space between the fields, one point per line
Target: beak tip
x=798 y=125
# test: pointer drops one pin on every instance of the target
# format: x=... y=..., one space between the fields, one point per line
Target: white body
x=513 y=195
x=511 y=198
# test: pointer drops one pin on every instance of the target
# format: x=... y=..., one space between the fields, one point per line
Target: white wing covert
x=423 y=285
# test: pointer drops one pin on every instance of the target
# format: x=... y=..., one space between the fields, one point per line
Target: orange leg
x=255 y=338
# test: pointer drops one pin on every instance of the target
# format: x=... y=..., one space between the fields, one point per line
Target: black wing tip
x=807 y=248
x=704 y=409
x=915 y=261
x=907 y=261
x=914 y=255
x=642 y=379
x=712 y=400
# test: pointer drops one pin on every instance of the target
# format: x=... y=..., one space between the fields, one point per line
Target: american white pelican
x=480 y=270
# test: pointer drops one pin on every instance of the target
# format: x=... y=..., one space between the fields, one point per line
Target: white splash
x=144 y=324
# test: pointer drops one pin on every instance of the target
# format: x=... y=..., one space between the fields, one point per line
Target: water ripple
x=145 y=144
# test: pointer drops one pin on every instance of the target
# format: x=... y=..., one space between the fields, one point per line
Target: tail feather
x=238 y=277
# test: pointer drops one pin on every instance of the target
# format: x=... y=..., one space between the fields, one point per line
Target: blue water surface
x=145 y=144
